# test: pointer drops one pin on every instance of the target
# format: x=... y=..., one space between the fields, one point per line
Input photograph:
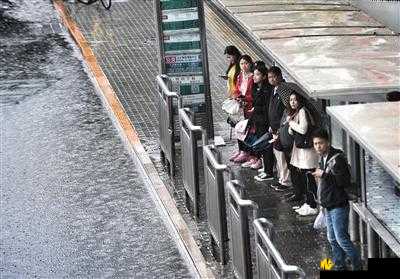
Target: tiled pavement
x=124 y=42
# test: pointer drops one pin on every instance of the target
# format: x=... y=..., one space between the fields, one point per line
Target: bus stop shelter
x=332 y=50
x=376 y=128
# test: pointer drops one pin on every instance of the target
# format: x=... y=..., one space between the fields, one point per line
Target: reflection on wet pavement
x=72 y=203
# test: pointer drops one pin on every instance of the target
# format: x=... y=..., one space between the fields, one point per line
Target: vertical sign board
x=183 y=53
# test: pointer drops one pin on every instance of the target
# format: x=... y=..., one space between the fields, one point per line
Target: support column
x=353 y=224
x=373 y=243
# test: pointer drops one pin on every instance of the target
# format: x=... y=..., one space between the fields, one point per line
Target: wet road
x=72 y=203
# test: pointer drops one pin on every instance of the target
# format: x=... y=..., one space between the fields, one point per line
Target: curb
x=134 y=145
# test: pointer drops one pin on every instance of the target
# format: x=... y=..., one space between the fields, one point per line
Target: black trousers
x=268 y=159
x=243 y=147
x=304 y=185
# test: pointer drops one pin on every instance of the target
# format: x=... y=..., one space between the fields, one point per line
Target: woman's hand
x=318 y=173
x=274 y=138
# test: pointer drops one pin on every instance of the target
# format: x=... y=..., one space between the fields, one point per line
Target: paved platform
x=124 y=43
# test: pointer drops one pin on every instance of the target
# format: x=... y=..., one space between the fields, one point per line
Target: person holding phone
x=334 y=176
x=244 y=95
x=233 y=56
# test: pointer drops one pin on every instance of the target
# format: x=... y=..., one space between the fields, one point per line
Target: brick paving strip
x=134 y=145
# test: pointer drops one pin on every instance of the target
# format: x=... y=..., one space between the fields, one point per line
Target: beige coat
x=302 y=158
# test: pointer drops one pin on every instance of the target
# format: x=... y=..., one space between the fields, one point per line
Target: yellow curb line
x=133 y=140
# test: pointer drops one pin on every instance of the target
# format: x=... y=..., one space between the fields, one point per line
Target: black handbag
x=305 y=141
x=285 y=139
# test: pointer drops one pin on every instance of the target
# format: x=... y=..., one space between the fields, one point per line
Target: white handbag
x=320 y=220
x=241 y=129
x=231 y=106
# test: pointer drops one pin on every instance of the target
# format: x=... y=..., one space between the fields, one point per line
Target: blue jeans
x=337 y=221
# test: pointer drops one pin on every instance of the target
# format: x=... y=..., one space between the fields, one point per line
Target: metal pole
x=373 y=242
x=384 y=249
x=353 y=224
x=362 y=238
x=363 y=185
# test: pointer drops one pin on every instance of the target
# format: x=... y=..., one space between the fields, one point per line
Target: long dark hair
x=249 y=60
x=263 y=70
x=235 y=52
x=300 y=99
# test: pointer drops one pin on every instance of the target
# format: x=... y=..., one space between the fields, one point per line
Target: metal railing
x=373 y=234
x=239 y=231
x=190 y=158
x=269 y=262
x=166 y=121
x=215 y=199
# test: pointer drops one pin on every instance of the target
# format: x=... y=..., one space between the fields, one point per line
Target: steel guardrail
x=215 y=200
x=269 y=262
x=166 y=122
x=240 y=250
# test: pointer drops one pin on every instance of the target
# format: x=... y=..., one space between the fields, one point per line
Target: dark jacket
x=275 y=111
x=259 y=117
x=335 y=178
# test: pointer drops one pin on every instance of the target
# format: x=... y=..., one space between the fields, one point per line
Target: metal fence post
x=269 y=261
x=239 y=231
x=190 y=157
x=373 y=242
x=166 y=122
x=353 y=224
x=215 y=199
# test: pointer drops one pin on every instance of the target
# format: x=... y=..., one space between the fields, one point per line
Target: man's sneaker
x=301 y=208
x=279 y=187
x=261 y=170
x=307 y=211
x=263 y=177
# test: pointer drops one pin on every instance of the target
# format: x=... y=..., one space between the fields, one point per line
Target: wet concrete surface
x=116 y=39
x=123 y=41
x=72 y=202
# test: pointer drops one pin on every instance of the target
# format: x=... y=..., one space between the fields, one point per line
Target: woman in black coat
x=258 y=121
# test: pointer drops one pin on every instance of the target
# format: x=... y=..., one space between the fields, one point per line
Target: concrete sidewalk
x=123 y=41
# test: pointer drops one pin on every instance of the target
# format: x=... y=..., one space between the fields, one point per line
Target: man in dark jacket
x=334 y=175
x=275 y=111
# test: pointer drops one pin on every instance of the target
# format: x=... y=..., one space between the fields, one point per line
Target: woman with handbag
x=244 y=95
x=258 y=121
x=304 y=159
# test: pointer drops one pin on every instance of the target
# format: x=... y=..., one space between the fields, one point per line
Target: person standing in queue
x=334 y=175
x=304 y=159
x=233 y=56
x=258 y=121
x=275 y=112
x=244 y=94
